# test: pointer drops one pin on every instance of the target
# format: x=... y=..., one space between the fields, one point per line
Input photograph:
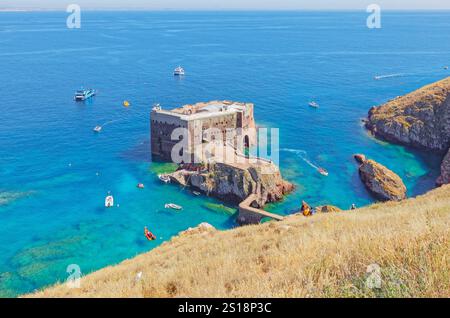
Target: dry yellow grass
x=325 y=255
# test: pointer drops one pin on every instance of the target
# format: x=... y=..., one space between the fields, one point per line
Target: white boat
x=196 y=193
x=97 y=128
x=109 y=201
x=323 y=172
x=173 y=206
x=313 y=104
x=178 y=71
x=377 y=78
x=156 y=107
x=164 y=178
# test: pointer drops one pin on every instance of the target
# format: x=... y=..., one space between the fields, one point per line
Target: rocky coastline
x=420 y=119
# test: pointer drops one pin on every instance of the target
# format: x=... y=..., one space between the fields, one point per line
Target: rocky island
x=220 y=168
x=379 y=180
x=420 y=119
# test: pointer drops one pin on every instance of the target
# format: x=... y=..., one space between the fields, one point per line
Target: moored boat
x=109 y=201
x=173 y=206
x=84 y=94
x=164 y=178
x=178 y=71
x=313 y=104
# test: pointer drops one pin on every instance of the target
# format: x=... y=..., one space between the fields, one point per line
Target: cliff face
x=420 y=119
x=445 y=170
x=234 y=183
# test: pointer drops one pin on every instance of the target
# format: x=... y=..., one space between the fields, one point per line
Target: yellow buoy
x=126 y=103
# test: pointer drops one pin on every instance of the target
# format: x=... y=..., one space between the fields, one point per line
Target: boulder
x=327 y=209
x=382 y=182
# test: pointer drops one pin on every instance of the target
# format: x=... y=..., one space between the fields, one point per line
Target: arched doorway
x=246 y=141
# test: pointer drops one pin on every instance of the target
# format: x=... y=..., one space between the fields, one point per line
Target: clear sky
x=225 y=4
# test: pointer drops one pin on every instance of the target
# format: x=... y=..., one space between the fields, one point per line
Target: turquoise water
x=55 y=172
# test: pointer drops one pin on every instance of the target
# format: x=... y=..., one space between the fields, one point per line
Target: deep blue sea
x=55 y=171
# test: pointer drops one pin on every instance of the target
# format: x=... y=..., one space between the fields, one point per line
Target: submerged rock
x=382 y=182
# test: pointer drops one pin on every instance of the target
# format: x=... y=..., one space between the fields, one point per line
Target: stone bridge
x=251 y=215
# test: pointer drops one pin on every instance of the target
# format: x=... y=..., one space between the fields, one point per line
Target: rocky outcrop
x=420 y=119
x=445 y=171
x=382 y=182
x=327 y=209
x=199 y=229
x=234 y=183
x=360 y=158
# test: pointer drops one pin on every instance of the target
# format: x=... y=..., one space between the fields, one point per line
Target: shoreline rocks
x=328 y=209
x=379 y=180
x=234 y=183
x=420 y=119
x=444 y=178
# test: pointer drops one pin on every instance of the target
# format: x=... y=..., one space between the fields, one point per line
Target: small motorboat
x=98 y=128
x=164 y=178
x=322 y=171
x=173 y=206
x=196 y=193
x=126 y=103
x=84 y=94
x=109 y=201
x=149 y=235
x=140 y=186
x=156 y=107
x=313 y=104
x=445 y=67
x=179 y=71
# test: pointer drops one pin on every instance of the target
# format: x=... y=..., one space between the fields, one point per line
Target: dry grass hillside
x=326 y=255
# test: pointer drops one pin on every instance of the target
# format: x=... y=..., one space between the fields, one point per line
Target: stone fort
x=202 y=122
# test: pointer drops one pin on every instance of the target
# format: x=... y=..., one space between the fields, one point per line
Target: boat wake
x=302 y=155
x=379 y=77
x=110 y=122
